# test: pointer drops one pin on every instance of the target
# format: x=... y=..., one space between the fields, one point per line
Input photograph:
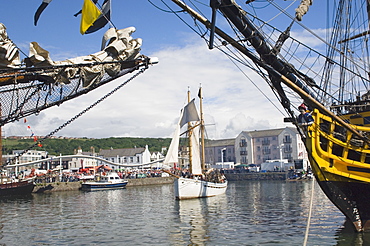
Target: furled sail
x=302 y=9
x=121 y=46
x=9 y=54
x=38 y=82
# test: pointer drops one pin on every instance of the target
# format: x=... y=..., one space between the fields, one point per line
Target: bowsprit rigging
x=39 y=141
x=39 y=83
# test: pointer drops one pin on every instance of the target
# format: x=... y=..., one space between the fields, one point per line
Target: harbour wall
x=69 y=186
x=256 y=176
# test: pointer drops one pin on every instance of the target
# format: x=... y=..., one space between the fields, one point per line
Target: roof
x=269 y=132
x=220 y=142
x=120 y=152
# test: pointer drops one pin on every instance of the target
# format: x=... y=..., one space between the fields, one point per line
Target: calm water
x=250 y=213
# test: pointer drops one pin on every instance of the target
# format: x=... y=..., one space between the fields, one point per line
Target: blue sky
x=149 y=106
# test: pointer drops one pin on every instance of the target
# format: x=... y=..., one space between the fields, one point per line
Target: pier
x=69 y=186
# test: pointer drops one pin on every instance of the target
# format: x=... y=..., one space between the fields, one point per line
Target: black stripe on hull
x=352 y=198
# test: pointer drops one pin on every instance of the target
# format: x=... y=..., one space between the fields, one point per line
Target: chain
x=79 y=114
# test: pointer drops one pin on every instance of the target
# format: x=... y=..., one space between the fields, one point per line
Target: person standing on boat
x=304 y=119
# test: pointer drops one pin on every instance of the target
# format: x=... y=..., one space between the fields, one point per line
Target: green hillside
x=67 y=146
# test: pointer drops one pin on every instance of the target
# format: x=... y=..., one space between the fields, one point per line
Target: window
x=287 y=139
x=243 y=142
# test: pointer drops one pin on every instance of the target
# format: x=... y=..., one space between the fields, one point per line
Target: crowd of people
x=55 y=176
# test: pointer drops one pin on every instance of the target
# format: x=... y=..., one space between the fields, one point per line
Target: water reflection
x=192 y=215
x=250 y=213
x=346 y=236
x=198 y=217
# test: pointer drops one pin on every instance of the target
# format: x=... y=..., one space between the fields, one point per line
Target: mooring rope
x=309 y=213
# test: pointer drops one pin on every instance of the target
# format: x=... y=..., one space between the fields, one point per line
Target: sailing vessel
x=330 y=75
x=197 y=181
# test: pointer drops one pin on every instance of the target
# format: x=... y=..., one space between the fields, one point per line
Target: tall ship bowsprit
x=36 y=82
x=324 y=68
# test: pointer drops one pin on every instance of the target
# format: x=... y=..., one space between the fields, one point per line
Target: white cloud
x=149 y=105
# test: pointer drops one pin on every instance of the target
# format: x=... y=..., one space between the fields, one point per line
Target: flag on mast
x=102 y=20
x=90 y=13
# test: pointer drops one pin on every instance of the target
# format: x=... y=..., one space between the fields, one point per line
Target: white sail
x=190 y=113
x=172 y=156
x=195 y=151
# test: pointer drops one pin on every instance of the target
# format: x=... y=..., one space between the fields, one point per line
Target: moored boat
x=105 y=182
x=16 y=187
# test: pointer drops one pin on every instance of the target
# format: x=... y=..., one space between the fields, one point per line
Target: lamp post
x=281 y=157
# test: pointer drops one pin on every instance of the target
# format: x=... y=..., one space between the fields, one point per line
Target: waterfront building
x=256 y=147
x=29 y=156
x=155 y=156
x=81 y=162
x=129 y=156
x=218 y=152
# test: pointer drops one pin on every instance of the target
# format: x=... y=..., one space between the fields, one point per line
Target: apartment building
x=274 y=144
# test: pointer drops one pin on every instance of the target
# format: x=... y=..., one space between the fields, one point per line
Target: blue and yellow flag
x=90 y=13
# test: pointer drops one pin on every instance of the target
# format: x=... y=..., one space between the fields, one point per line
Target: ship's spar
x=278 y=70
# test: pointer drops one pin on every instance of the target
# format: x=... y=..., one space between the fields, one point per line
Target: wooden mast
x=200 y=94
x=190 y=132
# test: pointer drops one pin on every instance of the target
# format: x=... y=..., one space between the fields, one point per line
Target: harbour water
x=250 y=213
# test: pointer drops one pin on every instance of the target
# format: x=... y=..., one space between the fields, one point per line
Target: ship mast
x=189 y=136
x=200 y=94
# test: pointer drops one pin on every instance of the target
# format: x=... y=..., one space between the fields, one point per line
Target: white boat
x=110 y=181
x=187 y=188
x=200 y=182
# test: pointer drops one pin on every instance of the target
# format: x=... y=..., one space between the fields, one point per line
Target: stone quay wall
x=68 y=186
x=256 y=176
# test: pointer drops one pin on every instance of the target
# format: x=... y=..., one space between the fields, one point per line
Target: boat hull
x=17 y=188
x=186 y=188
x=90 y=186
x=342 y=169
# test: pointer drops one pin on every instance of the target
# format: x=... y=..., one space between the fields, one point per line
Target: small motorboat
x=105 y=182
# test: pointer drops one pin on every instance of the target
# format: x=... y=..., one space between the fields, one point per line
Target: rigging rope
x=79 y=114
x=309 y=213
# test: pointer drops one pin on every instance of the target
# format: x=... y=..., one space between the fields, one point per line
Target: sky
x=149 y=106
